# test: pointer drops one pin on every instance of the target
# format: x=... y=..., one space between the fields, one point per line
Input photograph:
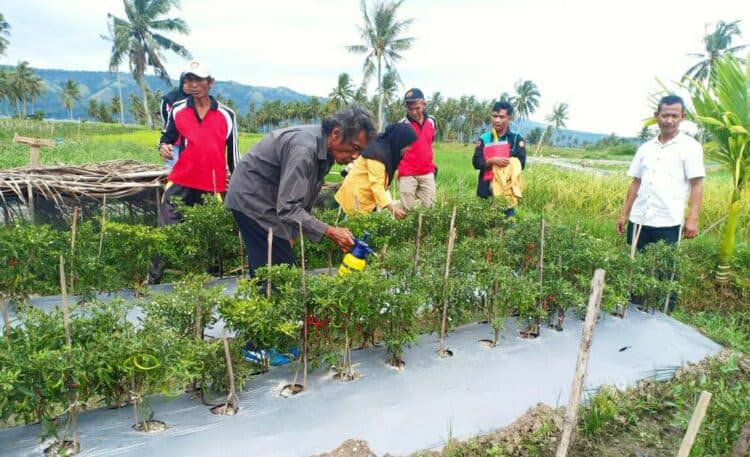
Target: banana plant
x=722 y=108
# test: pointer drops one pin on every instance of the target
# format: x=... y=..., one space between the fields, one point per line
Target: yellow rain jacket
x=508 y=182
x=364 y=188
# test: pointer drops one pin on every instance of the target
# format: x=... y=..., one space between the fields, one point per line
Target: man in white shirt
x=667 y=172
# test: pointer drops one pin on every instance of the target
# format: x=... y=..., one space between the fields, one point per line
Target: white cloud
x=602 y=58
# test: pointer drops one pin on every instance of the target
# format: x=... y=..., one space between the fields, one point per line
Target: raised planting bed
x=398 y=411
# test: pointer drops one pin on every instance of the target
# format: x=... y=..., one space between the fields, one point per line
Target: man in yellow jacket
x=365 y=187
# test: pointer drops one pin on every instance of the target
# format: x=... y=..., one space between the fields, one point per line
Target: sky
x=603 y=58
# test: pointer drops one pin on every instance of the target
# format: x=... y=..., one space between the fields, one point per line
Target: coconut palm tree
x=136 y=39
x=722 y=108
x=4 y=34
x=527 y=98
x=717 y=44
x=70 y=93
x=24 y=86
x=559 y=115
x=342 y=94
x=382 y=44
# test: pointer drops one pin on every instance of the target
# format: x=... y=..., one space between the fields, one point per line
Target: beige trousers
x=413 y=188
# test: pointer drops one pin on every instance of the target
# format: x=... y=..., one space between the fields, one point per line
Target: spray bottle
x=355 y=260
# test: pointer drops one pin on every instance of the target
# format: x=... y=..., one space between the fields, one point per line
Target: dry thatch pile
x=114 y=179
x=48 y=193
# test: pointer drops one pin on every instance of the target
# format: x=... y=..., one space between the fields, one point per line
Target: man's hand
x=397 y=212
x=499 y=161
x=620 y=225
x=690 y=230
x=341 y=236
x=165 y=151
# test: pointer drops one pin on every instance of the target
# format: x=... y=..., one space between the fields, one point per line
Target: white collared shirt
x=665 y=171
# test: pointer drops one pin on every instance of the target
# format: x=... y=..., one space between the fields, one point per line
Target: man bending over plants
x=500 y=155
x=278 y=180
x=667 y=172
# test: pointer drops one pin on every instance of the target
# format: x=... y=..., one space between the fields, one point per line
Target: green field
x=567 y=197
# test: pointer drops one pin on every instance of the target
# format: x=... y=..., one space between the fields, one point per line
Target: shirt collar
x=677 y=139
x=191 y=102
x=322 y=146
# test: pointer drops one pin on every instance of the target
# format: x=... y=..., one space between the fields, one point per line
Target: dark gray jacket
x=278 y=179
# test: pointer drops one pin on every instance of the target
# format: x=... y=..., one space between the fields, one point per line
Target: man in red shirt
x=416 y=171
x=206 y=133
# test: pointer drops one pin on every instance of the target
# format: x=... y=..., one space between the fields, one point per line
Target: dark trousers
x=648 y=235
x=169 y=214
x=256 y=243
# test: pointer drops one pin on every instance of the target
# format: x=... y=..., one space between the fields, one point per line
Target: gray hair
x=352 y=120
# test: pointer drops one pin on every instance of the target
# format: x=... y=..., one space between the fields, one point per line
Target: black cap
x=412 y=95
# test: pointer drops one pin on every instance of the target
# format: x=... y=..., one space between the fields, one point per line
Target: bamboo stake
x=303 y=294
x=158 y=203
x=571 y=413
x=72 y=392
x=382 y=255
x=541 y=269
x=633 y=248
x=242 y=256
x=32 y=217
x=418 y=241
x=674 y=269
x=270 y=260
x=451 y=241
x=101 y=229
x=743 y=442
x=232 y=398
x=695 y=424
x=73 y=232
x=6 y=315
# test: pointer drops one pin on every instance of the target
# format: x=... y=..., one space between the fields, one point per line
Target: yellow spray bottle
x=356 y=259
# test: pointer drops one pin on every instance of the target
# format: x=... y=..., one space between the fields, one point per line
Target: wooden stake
x=418 y=241
x=451 y=241
x=232 y=398
x=73 y=392
x=242 y=256
x=158 y=204
x=674 y=270
x=32 y=215
x=742 y=445
x=6 y=315
x=695 y=424
x=571 y=413
x=382 y=255
x=303 y=294
x=73 y=231
x=270 y=260
x=541 y=265
x=101 y=229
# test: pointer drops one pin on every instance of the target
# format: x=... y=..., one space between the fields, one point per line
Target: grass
x=86 y=142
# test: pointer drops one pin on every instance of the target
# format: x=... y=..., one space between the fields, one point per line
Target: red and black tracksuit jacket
x=208 y=146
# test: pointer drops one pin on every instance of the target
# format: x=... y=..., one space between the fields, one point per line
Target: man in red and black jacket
x=206 y=132
x=416 y=171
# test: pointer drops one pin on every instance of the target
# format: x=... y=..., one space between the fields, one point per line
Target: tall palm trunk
x=122 y=107
x=381 y=97
x=726 y=252
x=70 y=113
x=146 y=110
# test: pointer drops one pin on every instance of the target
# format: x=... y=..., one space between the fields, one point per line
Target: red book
x=494 y=150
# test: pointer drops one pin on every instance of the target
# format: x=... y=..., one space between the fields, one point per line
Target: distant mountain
x=102 y=86
x=562 y=137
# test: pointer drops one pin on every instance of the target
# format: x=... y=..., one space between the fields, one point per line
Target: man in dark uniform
x=506 y=142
